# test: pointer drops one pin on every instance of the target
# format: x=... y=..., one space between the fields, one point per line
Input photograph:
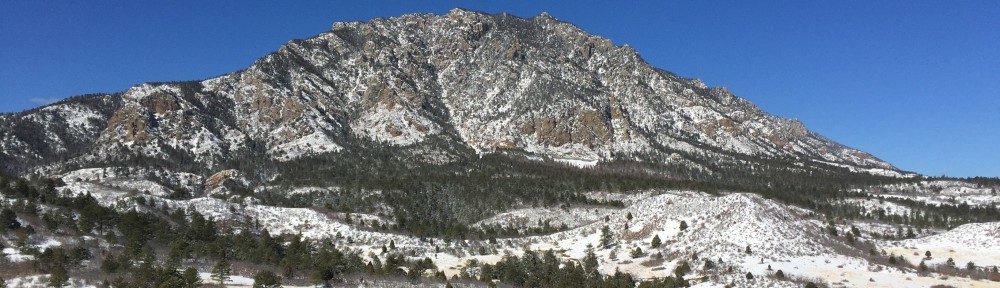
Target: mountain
x=467 y=149
x=439 y=88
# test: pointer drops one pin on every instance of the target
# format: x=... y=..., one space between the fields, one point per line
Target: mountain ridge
x=466 y=80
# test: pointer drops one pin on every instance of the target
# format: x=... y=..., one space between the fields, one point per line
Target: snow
x=234 y=280
x=312 y=144
x=13 y=255
x=529 y=217
x=941 y=192
x=719 y=227
x=579 y=163
x=397 y=125
x=872 y=205
x=976 y=242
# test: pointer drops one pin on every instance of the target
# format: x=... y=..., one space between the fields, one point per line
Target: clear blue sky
x=914 y=82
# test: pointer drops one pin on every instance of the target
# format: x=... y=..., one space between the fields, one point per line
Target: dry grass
x=17 y=269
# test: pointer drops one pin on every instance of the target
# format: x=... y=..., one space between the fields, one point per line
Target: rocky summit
x=445 y=86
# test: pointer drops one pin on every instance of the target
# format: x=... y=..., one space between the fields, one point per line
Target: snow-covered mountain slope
x=466 y=79
x=936 y=192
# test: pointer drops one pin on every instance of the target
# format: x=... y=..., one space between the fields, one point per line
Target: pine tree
x=970 y=266
x=606 y=236
x=709 y=265
x=656 y=241
x=266 y=279
x=8 y=219
x=628 y=216
x=831 y=228
x=928 y=254
x=749 y=276
x=191 y=278
x=636 y=253
x=950 y=263
x=780 y=274
x=892 y=259
x=222 y=271
x=590 y=261
x=59 y=276
x=684 y=225
x=748 y=251
x=392 y=244
x=922 y=266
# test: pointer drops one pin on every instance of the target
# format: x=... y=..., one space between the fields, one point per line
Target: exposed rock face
x=486 y=81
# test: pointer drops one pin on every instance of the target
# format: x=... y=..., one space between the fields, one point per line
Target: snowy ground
x=530 y=217
x=719 y=228
x=977 y=242
x=873 y=205
x=942 y=192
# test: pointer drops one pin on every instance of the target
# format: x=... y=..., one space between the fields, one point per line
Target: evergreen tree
x=684 y=225
x=58 y=277
x=606 y=236
x=636 y=253
x=970 y=266
x=486 y=273
x=266 y=279
x=780 y=274
x=748 y=251
x=8 y=219
x=928 y=254
x=628 y=216
x=950 y=263
x=191 y=278
x=749 y=276
x=656 y=241
x=922 y=266
x=682 y=269
x=109 y=264
x=222 y=271
x=892 y=259
x=590 y=261
x=709 y=265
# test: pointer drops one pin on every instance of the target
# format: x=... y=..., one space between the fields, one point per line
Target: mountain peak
x=420 y=81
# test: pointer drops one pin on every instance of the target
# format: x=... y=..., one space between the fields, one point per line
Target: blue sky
x=915 y=83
